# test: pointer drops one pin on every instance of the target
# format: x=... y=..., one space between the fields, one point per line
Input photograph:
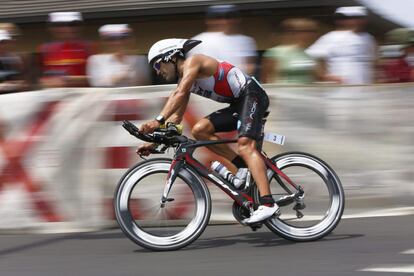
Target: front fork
x=175 y=168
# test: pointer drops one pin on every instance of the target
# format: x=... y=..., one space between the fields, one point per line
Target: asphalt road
x=359 y=246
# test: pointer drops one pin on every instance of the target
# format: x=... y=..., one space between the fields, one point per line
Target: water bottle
x=226 y=174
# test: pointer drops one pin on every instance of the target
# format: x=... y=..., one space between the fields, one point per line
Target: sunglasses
x=157 y=64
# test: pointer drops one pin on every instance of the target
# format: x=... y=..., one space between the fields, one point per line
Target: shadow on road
x=31 y=245
x=258 y=239
x=60 y=238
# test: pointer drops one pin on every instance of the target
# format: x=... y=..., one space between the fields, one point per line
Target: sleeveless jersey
x=224 y=86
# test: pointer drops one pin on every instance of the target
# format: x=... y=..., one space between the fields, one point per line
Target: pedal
x=277 y=213
x=256 y=226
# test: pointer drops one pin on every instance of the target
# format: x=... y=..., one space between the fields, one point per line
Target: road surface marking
x=390 y=212
x=396 y=269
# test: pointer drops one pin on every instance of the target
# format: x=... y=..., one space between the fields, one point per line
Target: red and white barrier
x=62 y=151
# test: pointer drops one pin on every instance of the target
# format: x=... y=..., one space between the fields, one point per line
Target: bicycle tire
x=336 y=197
x=136 y=232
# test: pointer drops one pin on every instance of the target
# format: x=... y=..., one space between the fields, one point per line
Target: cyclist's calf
x=246 y=147
x=248 y=151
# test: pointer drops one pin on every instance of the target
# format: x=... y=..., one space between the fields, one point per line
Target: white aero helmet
x=165 y=49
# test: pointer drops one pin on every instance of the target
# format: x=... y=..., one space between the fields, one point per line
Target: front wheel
x=319 y=211
x=146 y=221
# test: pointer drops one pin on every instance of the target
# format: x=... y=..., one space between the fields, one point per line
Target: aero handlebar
x=168 y=136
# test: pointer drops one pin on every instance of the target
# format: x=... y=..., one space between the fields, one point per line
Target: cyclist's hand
x=149 y=127
x=145 y=149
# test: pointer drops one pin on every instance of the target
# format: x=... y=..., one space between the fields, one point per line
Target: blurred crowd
x=346 y=55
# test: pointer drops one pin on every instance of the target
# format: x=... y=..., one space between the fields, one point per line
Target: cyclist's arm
x=179 y=97
x=177 y=116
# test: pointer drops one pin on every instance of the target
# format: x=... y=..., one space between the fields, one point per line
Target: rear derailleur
x=298 y=198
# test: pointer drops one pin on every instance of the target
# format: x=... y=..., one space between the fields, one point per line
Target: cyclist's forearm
x=176 y=102
x=179 y=98
x=177 y=116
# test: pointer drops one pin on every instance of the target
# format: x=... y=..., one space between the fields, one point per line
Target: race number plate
x=274 y=138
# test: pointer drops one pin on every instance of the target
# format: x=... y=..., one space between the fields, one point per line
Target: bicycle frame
x=184 y=157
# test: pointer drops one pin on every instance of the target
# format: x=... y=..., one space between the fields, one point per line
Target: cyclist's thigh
x=223 y=119
x=253 y=105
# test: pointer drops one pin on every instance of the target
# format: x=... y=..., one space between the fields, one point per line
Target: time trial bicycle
x=165 y=204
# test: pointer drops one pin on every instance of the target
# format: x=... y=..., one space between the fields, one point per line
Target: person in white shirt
x=117 y=68
x=348 y=53
x=222 y=39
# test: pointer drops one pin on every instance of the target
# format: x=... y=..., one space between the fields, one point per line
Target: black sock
x=267 y=200
x=239 y=162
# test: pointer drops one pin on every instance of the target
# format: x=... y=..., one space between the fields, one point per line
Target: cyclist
x=222 y=82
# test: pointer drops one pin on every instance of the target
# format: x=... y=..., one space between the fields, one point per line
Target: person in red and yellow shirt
x=63 y=61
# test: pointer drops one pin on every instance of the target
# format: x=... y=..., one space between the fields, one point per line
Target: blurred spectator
x=11 y=66
x=63 y=61
x=27 y=60
x=288 y=63
x=409 y=51
x=348 y=53
x=116 y=67
x=223 y=41
x=394 y=64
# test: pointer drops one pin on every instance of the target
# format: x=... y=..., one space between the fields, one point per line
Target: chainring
x=240 y=213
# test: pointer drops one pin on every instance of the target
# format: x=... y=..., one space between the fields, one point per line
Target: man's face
x=62 y=32
x=216 y=24
x=117 y=43
x=356 y=23
x=166 y=70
